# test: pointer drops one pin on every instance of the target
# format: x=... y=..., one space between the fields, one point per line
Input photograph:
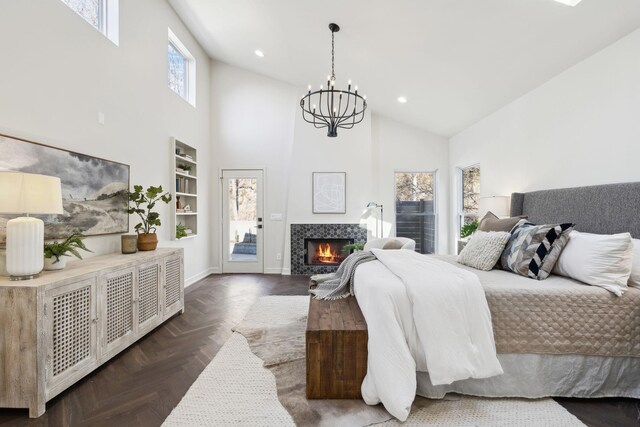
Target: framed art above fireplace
x=329 y=192
x=94 y=190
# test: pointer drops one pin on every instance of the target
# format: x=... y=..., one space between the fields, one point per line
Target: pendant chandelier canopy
x=333 y=108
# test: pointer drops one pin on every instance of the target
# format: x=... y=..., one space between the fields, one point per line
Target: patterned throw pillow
x=533 y=250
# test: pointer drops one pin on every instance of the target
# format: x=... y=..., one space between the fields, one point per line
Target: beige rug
x=237 y=390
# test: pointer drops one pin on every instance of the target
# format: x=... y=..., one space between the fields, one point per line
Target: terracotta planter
x=147 y=242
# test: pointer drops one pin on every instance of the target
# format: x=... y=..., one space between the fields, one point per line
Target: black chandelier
x=333 y=108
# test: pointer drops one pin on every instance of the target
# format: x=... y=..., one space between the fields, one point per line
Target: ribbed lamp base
x=25 y=247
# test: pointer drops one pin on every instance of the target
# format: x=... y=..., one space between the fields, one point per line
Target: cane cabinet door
x=173 y=290
x=117 y=293
x=148 y=296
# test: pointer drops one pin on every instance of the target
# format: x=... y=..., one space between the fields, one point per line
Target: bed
x=555 y=337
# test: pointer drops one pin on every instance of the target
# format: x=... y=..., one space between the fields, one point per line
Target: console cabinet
x=59 y=327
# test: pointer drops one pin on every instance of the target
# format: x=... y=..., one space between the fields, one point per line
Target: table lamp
x=26 y=194
x=497 y=205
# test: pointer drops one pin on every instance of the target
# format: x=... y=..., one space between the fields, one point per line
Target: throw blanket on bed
x=339 y=284
x=422 y=314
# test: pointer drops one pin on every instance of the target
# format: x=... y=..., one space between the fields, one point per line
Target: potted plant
x=353 y=247
x=143 y=202
x=181 y=231
x=55 y=252
x=469 y=228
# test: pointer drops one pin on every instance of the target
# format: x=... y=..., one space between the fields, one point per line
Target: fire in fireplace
x=326 y=251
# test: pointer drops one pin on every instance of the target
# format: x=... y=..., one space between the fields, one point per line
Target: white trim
x=197 y=277
x=273 y=270
x=286 y=271
x=190 y=96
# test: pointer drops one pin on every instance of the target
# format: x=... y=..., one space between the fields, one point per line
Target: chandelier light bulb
x=320 y=87
x=349 y=82
x=309 y=87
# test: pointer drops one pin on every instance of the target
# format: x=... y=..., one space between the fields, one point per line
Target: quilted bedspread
x=559 y=315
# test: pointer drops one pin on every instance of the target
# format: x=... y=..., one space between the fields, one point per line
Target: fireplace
x=325 y=251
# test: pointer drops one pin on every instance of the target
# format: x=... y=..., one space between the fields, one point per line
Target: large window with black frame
x=469 y=199
x=415 y=207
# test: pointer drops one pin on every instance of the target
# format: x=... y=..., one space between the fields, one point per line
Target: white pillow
x=484 y=249
x=634 y=279
x=597 y=259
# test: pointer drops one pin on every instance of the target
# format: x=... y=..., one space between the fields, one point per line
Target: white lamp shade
x=497 y=205
x=28 y=193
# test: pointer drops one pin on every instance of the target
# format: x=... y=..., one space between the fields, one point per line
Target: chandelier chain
x=333 y=72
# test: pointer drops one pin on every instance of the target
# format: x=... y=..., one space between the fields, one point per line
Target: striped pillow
x=533 y=250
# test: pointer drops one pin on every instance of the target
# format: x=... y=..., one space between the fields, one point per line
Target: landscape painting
x=94 y=191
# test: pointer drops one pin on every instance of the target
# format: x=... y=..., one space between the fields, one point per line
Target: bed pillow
x=533 y=250
x=484 y=249
x=491 y=222
x=393 y=244
x=634 y=278
x=597 y=259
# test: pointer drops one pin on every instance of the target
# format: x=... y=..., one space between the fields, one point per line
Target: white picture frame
x=329 y=190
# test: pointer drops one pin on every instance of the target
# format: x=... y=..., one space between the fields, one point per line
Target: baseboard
x=286 y=272
x=273 y=270
x=193 y=279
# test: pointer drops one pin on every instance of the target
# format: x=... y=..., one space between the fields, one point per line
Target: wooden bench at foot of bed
x=336 y=342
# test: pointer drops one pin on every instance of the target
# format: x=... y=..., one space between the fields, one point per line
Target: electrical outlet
x=278 y=256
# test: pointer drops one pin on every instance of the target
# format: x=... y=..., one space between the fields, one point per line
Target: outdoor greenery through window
x=470 y=195
x=181 y=69
x=415 y=209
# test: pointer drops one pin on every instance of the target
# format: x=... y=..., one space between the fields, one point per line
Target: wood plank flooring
x=142 y=385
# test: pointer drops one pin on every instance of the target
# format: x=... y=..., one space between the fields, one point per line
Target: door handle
x=259 y=219
x=259 y=225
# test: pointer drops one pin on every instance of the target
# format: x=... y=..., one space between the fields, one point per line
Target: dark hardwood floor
x=142 y=385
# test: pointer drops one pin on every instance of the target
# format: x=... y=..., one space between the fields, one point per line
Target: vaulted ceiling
x=456 y=61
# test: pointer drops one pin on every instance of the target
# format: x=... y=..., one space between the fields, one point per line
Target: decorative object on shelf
x=329 y=192
x=181 y=231
x=147 y=238
x=185 y=172
x=185 y=169
x=93 y=189
x=129 y=243
x=178 y=206
x=25 y=193
x=187 y=208
x=353 y=247
x=333 y=108
x=498 y=205
x=374 y=205
x=55 y=252
x=469 y=228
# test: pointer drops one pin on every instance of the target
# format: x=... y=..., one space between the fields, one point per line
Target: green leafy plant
x=70 y=246
x=186 y=168
x=181 y=231
x=147 y=199
x=469 y=228
x=353 y=246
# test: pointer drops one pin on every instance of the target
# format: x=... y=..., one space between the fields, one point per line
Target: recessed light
x=569 y=2
x=259 y=53
x=402 y=99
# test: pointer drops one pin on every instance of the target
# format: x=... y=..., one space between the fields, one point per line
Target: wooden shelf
x=184 y=181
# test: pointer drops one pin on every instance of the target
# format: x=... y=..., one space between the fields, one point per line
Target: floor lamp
x=27 y=194
x=375 y=205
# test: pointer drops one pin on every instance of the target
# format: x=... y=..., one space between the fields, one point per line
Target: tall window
x=101 y=14
x=416 y=209
x=469 y=194
x=181 y=69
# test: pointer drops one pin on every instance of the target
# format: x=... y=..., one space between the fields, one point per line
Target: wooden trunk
x=336 y=342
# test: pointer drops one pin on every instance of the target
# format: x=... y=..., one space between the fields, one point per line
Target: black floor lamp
x=375 y=205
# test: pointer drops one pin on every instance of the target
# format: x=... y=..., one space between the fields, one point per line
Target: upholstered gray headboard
x=602 y=209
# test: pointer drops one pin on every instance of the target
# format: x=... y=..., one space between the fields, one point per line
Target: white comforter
x=422 y=315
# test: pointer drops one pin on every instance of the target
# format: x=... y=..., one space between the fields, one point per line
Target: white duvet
x=422 y=315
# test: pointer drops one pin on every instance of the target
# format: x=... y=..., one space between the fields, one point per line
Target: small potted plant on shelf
x=147 y=238
x=181 y=231
x=353 y=247
x=55 y=252
x=185 y=169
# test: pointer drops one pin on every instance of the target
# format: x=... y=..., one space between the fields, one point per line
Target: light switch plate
x=276 y=217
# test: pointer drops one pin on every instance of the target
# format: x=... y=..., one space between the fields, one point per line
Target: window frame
x=461 y=215
x=108 y=22
x=190 y=72
x=436 y=203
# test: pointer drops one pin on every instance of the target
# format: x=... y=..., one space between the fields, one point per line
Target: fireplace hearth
x=325 y=251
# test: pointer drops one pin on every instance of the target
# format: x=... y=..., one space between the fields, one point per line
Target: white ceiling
x=456 y=61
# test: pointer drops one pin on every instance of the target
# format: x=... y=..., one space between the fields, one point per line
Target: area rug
x=258 y=378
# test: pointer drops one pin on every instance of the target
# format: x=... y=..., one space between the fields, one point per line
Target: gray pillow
x=484 y=249
x=393 y=244
x=533 y=250
x=490 y=222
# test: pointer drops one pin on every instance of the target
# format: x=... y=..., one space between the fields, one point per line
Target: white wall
x=256 y=123
x=58 y=72
x=580 y=128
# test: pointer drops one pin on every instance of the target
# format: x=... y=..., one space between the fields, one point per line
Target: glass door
x=242 y=232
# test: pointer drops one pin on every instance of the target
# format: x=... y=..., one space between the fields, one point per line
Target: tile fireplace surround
x=299 y=232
